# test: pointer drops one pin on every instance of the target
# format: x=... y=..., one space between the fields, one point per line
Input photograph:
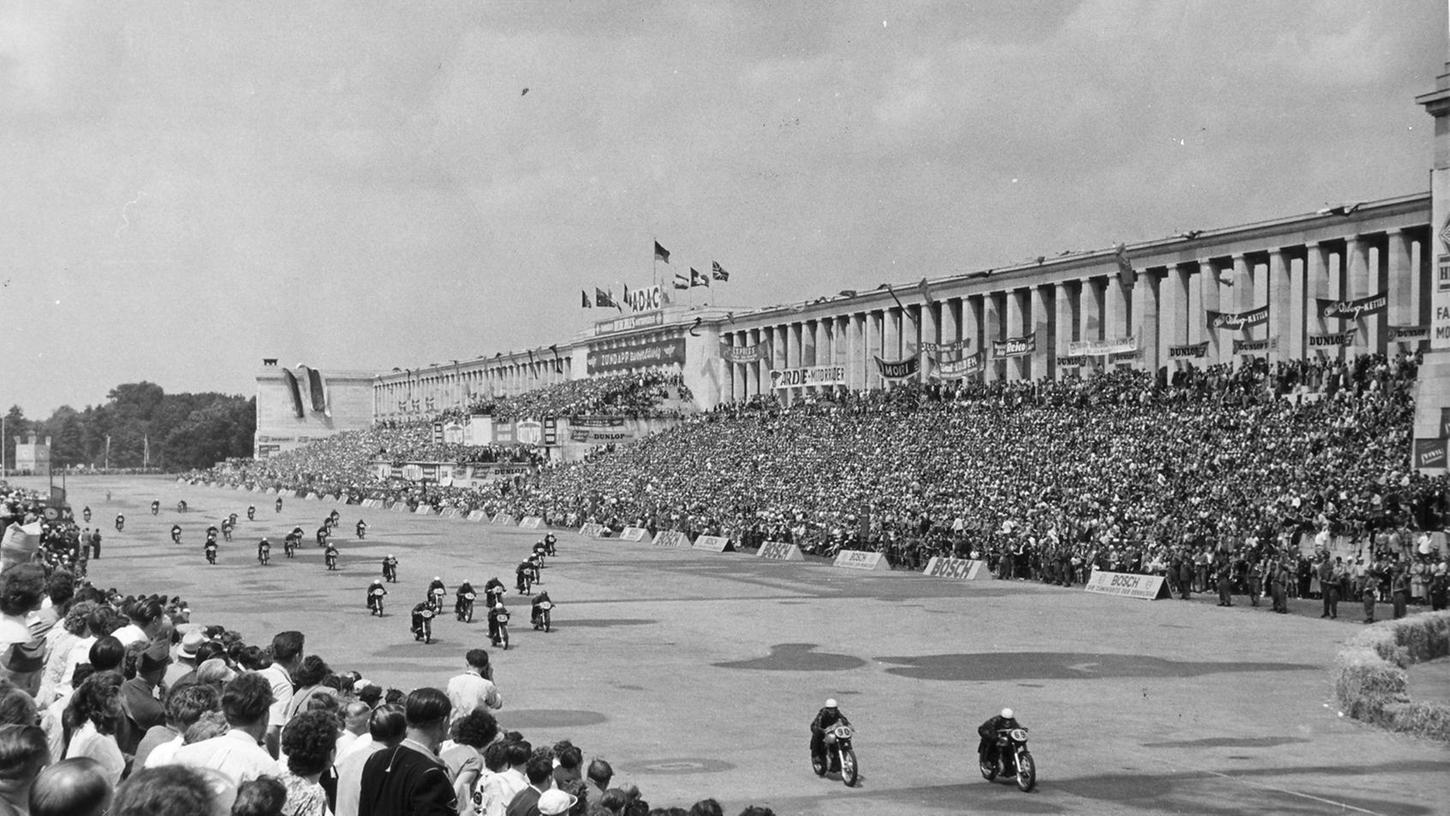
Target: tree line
x=140 y=425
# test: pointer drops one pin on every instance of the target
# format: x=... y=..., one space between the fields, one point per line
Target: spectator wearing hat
x=22 y=654
x=554 y=802
x=410 y=779
x=138 y=697
x=72 y=787
x=238 y=753
x=185 y=655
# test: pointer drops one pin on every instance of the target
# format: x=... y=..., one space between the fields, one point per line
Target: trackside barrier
x=712 y=543
x=532 y=522
x=272 y=491
x=503 y=520
x=633 y=534
x=962 y=569
x=780 y=551
x=400 y=507
x=477 y=515
x=1127 y=585
x=424 y=510
x=591 y=530
x=450 y=512
x=861 y=560
x=671 y=538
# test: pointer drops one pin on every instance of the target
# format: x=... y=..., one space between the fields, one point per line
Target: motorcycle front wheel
x=850 y=771
x=546 y=622
x=1026 y=772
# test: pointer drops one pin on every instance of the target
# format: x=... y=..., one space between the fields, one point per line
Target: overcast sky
x=186 y=188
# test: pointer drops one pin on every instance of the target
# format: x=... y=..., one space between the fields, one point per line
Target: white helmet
x=831 y=703
x=1007 y=714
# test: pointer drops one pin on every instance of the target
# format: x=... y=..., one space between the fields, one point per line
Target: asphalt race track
x=696 y=673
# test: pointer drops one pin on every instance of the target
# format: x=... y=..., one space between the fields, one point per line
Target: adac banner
x=1127 y=585
x=1015 y=346
x=1188 y=351
x=945 y=348
x=900 y=368
x=1352 y=309
x=648 y=299
x=742 y=354
x=1409 y=334
x=957 y=369
x=1256 y=346
x=1344 y=338
x=660 y=352
x=814 y=375
x=1430 y=454
x=1236 y=321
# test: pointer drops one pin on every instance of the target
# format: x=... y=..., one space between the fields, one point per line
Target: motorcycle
x=155 y=507
x=290 y=547
x=526 y=582
x=181 y=506
x=390 y=572
x=375 y=601
x=87 y=513
x=120 y=523
x=502 y=620
x=264 y=555
x=362 y=531
x=331 y=559
x=435 y=597
x=279 y=504
x=465 y=607
x=839 y=756
x=541 y=619
x=175 y=535
x=423 y=624
x=211 y=554
x=251 y=513
x=1013 y=760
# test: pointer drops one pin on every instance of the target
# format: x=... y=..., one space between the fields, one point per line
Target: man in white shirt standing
x=286 y=657
x=238 y=754
x=473 y=689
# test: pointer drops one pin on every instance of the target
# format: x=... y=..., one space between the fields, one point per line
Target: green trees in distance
x=145 y=426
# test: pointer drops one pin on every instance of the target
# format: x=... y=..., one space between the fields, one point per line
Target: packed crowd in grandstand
x=1045 y=479
x=651 y=395
x=121 y=704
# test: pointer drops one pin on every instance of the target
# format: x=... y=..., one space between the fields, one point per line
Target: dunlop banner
x=1127 y=585
x=1352 y=309
x=960 y=568
x=816 y=375
x=1344 y=338
x=1256 y=346
x=900 y=368
x=1015 y=346
x=957 y=369
x=861 y=560
x=1236 y=321
x=1071 y=361
x=661 y=352
x=1409 y=334
x=939 y=348
x=1430 y=454
x=742 y=354
x=599 y=430
x=1190 y=351
x=780 y=551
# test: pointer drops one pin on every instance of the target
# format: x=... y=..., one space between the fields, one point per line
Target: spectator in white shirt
x=474 y=688
x=238 y=753
x=286 y=657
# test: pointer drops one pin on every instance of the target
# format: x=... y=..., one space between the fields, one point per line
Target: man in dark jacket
x=987 y=746
x=827 y=718
x=410 y=780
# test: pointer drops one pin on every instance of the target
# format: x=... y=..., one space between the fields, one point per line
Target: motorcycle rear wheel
x=850 y=771
x=988 y=769
x=1026 y=773
x=818 y=764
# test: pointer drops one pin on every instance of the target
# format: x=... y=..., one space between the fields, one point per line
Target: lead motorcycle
x=839 y=755
x=1013 y=760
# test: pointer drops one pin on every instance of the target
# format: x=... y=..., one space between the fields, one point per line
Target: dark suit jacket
x=404 y=781
x=525 y=802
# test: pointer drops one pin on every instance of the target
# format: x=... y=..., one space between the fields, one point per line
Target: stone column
x=930 y=333
x=1296 y=306
x=1402 y=280
x=1013 y=327
x=1357 y=278
x=1281 y=306
x=1115 y=307
x=992 y=331
x=1147 y=330
x=1218 y=340
x=1043 y=319
x=1062 y=325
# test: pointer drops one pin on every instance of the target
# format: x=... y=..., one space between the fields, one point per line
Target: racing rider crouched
x=987 y=747
x=827 y=718
x=536 y=613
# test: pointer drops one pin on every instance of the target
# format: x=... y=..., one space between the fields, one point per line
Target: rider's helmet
x=390 y=555
x=499 y=607
x=437 y=578
x=1007 y=714
x=831 y=703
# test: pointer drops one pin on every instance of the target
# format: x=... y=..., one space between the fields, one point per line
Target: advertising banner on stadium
x=660 y=352
x=1409 y=334
x=1445 y=423
x=712 y=543
x=1015 y=346
x=1352 y=309
x=1127 y=585
x=648 y=299
x=591 y=530
x=961 y=569
x=1332 y=340
x=1237 y=321
x=742 y=354
x=627 y=322
x=1189 y=351
x=503 y=520
x=1071 y=361
x=599 y=430
x=946 y=348
x=900 y=368
x=780 y=551
x=814 y=375
x=957 y=369
x=1430 y=454
x=1256 y=346
x=532 y=522
x=861 y=560
x=671 y=538
x=1102 y=348
x=633 y=534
